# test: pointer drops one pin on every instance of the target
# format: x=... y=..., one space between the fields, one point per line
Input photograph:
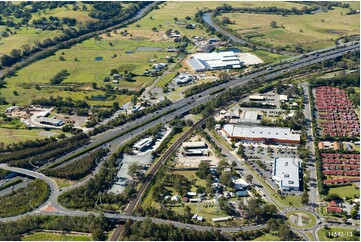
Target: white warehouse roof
x=286 y=173
x=259 y=133
x=214 y=61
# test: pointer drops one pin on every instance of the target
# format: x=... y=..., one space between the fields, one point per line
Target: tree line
x=147 y=230
x=24 y=199
x=14 y=230
x=30 y=157
x=78 y=169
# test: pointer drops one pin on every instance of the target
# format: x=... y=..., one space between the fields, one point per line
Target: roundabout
x=301 y=219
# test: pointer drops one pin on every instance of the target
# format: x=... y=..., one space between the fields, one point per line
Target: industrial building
x=286 y=173
x=51 y=121
x=143 y=144
x=183 y=78
x=256 y=98
x=261 y=134
x=214 y=61
x=195 y=149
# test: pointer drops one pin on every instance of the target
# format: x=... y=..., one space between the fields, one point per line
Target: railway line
x=135 y=201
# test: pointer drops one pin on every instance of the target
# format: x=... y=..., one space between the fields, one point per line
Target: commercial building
x=214 y=61
x=206 y=49
x=286 y=172
x=195 y=149
x=43 y=114
x=183 y=79
x=261 y=134
x=51 y=121
x=256 y=98
x=143 y=144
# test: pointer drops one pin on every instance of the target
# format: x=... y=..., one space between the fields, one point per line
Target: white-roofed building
x=262 y=134
x=256 y=98
x=144 y=143
x=286 y=172
x=43 y=114
x=283 y=98
x=214 y=61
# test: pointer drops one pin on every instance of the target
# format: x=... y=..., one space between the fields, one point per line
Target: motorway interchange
x=117 y=136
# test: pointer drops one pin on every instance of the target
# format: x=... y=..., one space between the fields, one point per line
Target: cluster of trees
x=282 y=230
x=14 y=230
x=34 y=156
x=257 y=105
x=258 y=210
x=79 y=168
x=105 y=10
x=3 y=173
x=24 y=11
x=68 y=105
x=24 y=199
x=59 y=77
x=147 y=230
x=53 y=23
x=26 y=144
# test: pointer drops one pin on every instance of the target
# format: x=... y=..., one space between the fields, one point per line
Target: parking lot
x=261 y=157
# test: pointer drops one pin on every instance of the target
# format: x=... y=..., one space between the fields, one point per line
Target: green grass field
x=30 y=35
x=345 y=191
x=41 y=236
x=83 y=72
x=8 y=136
x=311 y=31
x=268 y=237
x=345 y=234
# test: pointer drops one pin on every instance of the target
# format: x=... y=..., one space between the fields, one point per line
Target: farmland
x=8 y=136
x=313 y=31
x=30 y=35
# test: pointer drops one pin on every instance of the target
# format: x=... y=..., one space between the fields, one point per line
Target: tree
x=98 y=235
x=203 y=169
x=225 y=20
x=61 y=58
x=249 y=178
x=134 y=100
x=305 y=198
x=187 y=210
x=226 y=178
x=134 y=169
x=332 y=197
x=273 y=24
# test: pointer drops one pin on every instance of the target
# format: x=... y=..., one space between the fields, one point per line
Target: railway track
x=135 y=201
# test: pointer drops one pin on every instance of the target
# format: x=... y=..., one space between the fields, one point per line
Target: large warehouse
x=262 y=134
x=214 y=61
x=286 y=172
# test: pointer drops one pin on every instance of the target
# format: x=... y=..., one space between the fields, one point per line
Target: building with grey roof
x=286 y=173
x=51 y=121
x=261 y=134
x=214 y=61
